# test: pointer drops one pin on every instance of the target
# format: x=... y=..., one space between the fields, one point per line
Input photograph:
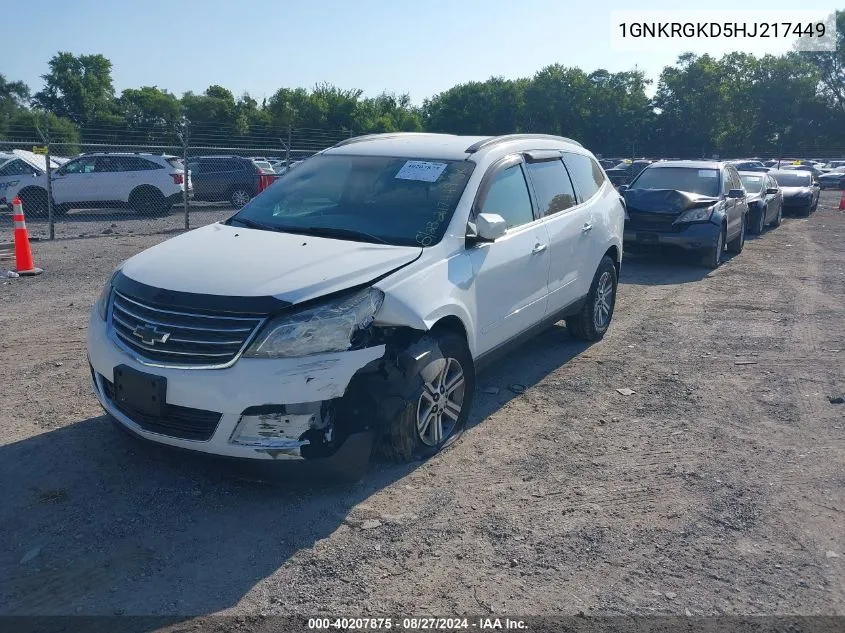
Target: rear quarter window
x=586 y=174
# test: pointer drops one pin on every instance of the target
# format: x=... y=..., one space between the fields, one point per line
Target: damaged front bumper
x=289 y=409
x=691 y=237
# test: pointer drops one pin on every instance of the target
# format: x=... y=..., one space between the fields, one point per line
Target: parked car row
x=707 y=207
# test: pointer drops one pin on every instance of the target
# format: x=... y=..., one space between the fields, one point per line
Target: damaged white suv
x=354 y=300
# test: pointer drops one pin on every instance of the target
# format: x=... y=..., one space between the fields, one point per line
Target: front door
x=511 y=274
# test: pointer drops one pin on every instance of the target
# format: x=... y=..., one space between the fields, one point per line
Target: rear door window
x=552 y=185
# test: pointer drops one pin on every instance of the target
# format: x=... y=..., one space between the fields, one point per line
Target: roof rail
x=504 y=138
x=370 y=137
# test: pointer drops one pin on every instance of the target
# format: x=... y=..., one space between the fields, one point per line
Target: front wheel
x=713 y=257
x=591 y=323
x=779 y=218
x=760 y=221
x=738 y=243
x=435 y=414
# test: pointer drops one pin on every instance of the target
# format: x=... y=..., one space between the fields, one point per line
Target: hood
x=796 y=191
x=241 y=262
x=670 y=201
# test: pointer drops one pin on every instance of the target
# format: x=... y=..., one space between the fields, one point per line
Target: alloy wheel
x=603 y=301
x=441 y=402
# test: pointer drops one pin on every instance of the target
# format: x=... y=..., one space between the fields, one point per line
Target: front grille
x=182 y=422
x=652 y=222
x=176 y=337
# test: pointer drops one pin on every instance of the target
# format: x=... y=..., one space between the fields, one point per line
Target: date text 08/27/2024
x=417 y=624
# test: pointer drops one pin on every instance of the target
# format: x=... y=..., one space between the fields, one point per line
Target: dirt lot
x=717 y=488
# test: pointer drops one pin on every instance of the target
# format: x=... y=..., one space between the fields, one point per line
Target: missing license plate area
x=139 y=391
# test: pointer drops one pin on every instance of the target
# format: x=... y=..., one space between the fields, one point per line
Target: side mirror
x=488 y=227
x=736 y=193
x=623 y=188
x=771 y=191
x=816 y=184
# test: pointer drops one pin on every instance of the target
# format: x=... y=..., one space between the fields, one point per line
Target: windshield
x=751 y=183
x=793 y=179
x=397 y=201
x=704 y=182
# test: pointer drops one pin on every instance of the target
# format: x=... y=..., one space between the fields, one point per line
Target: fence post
x=50 y=219
x=287 y=150
x=185 y=194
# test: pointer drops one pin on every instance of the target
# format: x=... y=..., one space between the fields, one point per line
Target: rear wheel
x=147 y=201
x=591 y=323
x=738 y=243
x=239 y=197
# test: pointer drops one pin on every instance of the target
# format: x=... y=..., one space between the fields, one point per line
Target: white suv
x=354 y=300
x=148 y=183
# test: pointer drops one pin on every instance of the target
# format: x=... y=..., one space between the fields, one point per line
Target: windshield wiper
x=253 y=225
x=326 y=231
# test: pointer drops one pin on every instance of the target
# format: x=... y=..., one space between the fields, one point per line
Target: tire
x=713 y=258
x=414 y=435
x=738 y=243
x=239 y=196
x=591 y=323
x=779 y=218
x=815 y=206
x=760 y=221
x=147 y=200
x=34 y=202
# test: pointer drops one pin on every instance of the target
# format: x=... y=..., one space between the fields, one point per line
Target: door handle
x=586 y=228
x=539 y=248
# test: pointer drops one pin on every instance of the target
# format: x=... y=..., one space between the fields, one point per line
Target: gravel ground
x=716 y=488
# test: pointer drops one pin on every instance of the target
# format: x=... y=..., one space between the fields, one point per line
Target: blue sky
x=420 y=47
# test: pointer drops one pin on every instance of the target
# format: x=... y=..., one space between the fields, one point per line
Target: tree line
x=735 y=105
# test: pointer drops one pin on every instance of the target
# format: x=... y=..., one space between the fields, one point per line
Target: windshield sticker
x=421 y=170
x=708 y=173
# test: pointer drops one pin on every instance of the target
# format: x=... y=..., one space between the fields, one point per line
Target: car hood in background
x=240 y=262
x=794 y=192
x=665 y=200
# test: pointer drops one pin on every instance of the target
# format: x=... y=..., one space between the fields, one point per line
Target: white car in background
x=18 y=168
x=354 y=300
x=148 y=183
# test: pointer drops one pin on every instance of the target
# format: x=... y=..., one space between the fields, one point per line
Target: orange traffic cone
x=23 y=253
x=842 y=202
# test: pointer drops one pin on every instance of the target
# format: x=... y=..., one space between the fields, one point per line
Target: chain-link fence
x=113 y=185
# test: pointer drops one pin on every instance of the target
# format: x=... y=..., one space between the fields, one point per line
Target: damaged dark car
x=699 y=207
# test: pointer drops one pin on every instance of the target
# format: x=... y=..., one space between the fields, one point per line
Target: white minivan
x=353 y=301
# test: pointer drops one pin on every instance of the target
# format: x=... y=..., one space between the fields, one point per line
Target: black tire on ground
x=815 y=205
x=34 y=202
x=239 y=196
x=591 y=323
x=713 y=257
x=738 y=243
x=779 y=217
x=442 y=399
x=759 y=221
x=147 y=200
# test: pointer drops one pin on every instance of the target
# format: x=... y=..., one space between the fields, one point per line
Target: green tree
x=151 y=114
x=831 y=64
x=79 y=88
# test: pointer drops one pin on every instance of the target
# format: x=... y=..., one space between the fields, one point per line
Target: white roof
x=36 y=160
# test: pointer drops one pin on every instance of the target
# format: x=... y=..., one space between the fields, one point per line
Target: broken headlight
x=701 y=214
x=327 y=327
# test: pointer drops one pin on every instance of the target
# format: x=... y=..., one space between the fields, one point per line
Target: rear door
x=567 y=223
